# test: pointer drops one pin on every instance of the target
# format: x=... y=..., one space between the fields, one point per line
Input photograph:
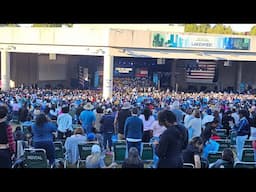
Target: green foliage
x=9 y=25
x=46 y=25
x=191 y=28
x=253 y=30
x=206 y=28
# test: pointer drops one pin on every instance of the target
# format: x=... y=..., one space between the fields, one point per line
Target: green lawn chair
x=35 y=158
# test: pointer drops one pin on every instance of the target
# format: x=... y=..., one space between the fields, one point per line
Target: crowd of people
x=182 y=127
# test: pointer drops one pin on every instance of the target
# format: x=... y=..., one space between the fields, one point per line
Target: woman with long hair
x=133 y=160
x=148 y=120
x=193 y=152
x=42 y=132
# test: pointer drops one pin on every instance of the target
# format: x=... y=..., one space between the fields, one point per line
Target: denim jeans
x=107 y=139
x=49 y=148
x=239 y=146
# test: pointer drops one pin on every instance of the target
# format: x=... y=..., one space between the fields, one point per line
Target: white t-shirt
x=147 y=125
x=195 y=125
x=157 y=129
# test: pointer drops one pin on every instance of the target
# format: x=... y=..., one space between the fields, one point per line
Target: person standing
x=121 y=116
x=64 y=122
x=7 y=142
x=42 y=132
x=242 y=130
x=148 y=120
x=172 y=141
x=107 y=126
x=133 y=130
x=88 y=118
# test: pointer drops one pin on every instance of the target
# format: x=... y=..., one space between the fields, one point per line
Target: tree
x=203 y=28
x=47 y=25
x=253 y=30
x=9 y=25
x=191 y=28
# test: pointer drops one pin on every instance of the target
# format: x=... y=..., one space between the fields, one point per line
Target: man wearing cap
x=120 y=119
x=88 y=118
x=107 y=128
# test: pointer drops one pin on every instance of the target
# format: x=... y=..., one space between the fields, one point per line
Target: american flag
x=201 y=72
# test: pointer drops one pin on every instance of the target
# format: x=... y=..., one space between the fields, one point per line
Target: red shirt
x=215 y=137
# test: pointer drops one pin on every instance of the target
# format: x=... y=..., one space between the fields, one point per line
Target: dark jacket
x=172 y=141
x=243 y=128
x=122 y=115
x=107 y=123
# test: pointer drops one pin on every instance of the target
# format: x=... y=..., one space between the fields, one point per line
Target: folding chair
x=248 y=155
x=147 y=153
x=224 y=143
x=119 y=151
x=233 y=138
x=242 y=164
x=212 y=157
x=248 y=144
x=60 y=152
x=35 y=158
x=222 y=133
x=84 y=150
x=188 y=165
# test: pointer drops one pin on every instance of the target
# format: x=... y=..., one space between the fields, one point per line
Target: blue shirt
x=87 y=118
x=43 y=133
x=71 y=146
x=211 y=146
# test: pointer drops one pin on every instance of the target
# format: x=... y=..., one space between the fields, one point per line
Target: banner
x=200 y=41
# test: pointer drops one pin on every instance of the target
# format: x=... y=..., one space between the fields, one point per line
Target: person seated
x=18 y=134
x=193 y=152
x=71 y=145
x=96 y=159
x=226 y=161
x=210 y=145
x=91 y=138
x=133 y=160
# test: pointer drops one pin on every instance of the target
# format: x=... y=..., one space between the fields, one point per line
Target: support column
x=173 y=75
x=239 y=76
x=107 y=76
x=5 y=70
x=220 y=68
